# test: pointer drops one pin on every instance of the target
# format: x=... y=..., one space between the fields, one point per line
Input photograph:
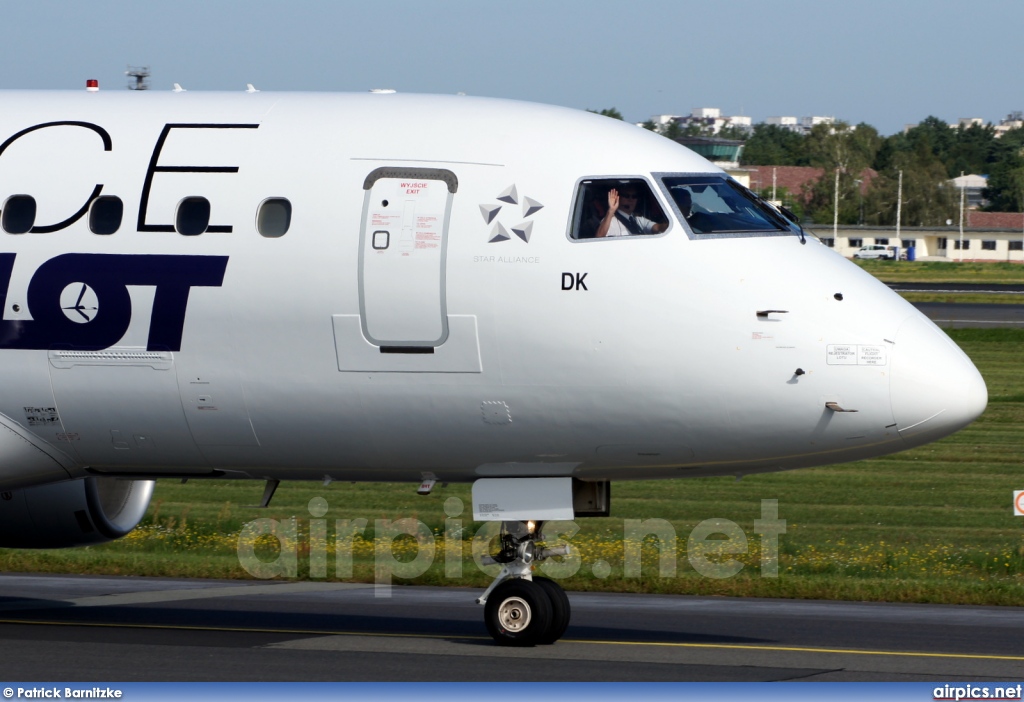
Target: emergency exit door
x=403 y=242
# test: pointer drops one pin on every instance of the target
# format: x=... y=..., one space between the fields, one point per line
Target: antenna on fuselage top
x=140 y=75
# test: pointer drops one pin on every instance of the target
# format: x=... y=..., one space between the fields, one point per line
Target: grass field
x=950 y=272
x=965 y=298
x=943 y=271
x=929 y=525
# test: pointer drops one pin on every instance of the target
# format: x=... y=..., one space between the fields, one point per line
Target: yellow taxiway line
x=665 y=644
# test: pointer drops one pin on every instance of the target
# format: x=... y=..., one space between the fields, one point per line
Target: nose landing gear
x=520 y=609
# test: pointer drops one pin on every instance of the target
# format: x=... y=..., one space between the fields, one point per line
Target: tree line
x=928 y=155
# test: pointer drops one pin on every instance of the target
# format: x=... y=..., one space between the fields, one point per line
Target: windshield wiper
x=784 y=213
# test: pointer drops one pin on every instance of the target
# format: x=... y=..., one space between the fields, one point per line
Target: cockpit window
x=616 y=207
x=715 y=204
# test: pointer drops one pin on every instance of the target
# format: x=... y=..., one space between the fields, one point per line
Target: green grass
x=943 y=271
x=933 y=524
x=949 y=272
x=965 y=298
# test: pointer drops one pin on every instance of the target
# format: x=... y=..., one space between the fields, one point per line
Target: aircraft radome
x=412 y=288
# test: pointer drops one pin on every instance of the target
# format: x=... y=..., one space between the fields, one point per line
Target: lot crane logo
x=79 y=303
x=83 y=301
x=498 y=231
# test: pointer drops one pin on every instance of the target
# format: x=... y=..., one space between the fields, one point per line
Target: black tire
x=518 y=613
x=560 y=610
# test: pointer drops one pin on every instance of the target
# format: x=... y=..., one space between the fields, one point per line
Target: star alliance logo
x=523 y=230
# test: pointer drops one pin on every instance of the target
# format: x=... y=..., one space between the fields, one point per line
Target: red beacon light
x=92 y=85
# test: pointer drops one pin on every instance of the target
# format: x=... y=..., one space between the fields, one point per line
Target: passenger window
x=274 y=217
x=19 y=214
x=614 y=207
x=105 y=214
x=193 y=216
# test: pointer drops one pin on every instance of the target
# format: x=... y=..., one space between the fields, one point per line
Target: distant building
x=706 y=113
x=743 y=122
x=967 y=122
x=790 y=178
x=793 y=183
x=994 y=220
x=961 y=123
x=987 y=236
x=973 y=187
x=808 y=122
x=791 y=123
x=1014 y=120
x=724 y=153
x=800 y=125
x=662 y=121
x=709 y=119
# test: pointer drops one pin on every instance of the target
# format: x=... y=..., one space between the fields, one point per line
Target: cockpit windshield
x=713 y=204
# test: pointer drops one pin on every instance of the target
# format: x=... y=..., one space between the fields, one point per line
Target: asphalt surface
x=105 y=629
x=974 y=288
x=964 y=315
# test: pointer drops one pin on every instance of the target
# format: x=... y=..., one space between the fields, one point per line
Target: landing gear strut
x=519 y=608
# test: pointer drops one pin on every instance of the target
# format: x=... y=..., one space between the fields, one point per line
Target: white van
x=876 y=251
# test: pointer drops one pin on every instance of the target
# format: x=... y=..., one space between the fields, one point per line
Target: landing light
x=92 y=85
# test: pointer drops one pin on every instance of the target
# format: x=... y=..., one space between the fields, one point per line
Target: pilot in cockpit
x=698 y=221
x=621 y=218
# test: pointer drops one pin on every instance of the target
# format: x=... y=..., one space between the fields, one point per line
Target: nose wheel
x=518 y=613
x=560 y=611
x=520 y=609
x=523 y=612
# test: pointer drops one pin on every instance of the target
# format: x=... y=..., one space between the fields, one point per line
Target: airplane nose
x=934 y=387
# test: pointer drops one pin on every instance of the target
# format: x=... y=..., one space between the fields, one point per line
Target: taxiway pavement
x=104 y=629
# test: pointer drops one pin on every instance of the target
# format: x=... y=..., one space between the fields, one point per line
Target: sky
x=885 y=62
